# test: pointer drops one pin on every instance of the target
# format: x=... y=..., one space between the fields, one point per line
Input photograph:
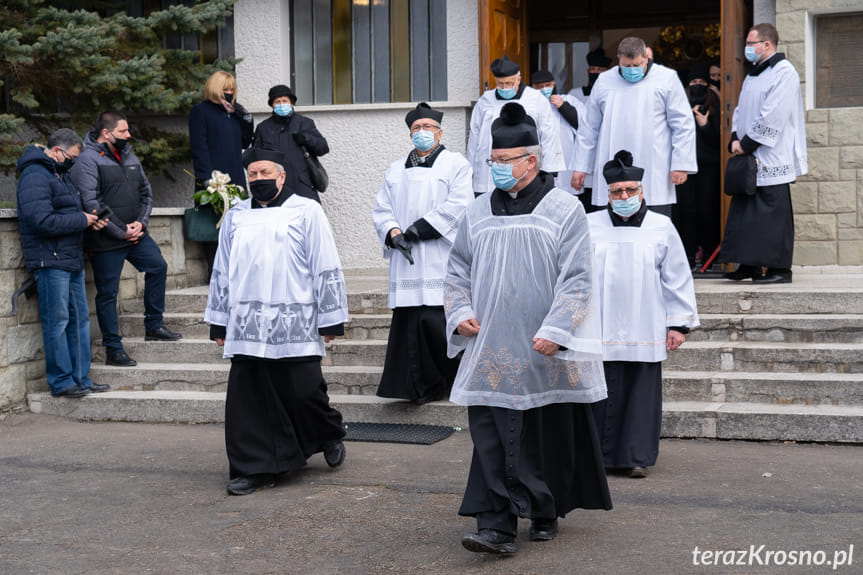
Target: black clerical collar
x=518 y=92
x=502 y=204
x=415 y=161
x=280 y=199
x=768 y=63
x=634 y=220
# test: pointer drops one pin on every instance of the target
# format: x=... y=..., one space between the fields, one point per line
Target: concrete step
x=767 y=357
x=826 y=295
x=719 y=420
x=186 y=350
x=356 y=352
x=810 y=328
x=777 y=388
x=763 y=421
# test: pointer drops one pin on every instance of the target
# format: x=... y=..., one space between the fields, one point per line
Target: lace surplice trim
x=500 y=370
x=760 y=129
x=416 y=284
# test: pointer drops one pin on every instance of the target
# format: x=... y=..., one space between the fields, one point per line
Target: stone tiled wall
x=22 y=366
x=828 y=201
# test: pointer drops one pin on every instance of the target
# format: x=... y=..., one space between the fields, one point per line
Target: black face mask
x=263 y=190
x=228 y=96
x=119 y=143
x=66 y=164
x=714 y=83
x=591 y=78
x=697 y=94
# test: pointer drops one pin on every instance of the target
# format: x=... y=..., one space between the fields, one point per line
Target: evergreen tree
x=62 y=66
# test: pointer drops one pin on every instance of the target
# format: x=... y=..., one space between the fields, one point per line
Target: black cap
x=541 y=77
x=279 y=91
x=422 y=110
x=513 y=129
x=620 y=169
x=503 y=67
x=598 y=58
x=699 y=70
x=259 y=154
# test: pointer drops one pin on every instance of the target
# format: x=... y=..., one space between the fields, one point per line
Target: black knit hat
x=620 y=169
x=598 y=58
x=422 y=110
x=513 y=129
x=699 y=70
x=278 y=91
x=541 y=77
x=504 y=67
x=258 y=154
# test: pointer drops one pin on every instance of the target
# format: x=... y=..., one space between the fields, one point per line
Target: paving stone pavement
x=129 y=498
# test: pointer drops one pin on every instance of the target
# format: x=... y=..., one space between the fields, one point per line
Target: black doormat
x=396 y=432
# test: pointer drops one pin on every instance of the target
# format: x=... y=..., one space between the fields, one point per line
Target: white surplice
x=645 y=286
x=770 y=111
x=568 y=136
x=276 y=279
x=439 y=194
x=524 y=277
x=487 y=110
x=651 y=118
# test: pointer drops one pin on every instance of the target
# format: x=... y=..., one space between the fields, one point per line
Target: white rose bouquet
x=220 y=193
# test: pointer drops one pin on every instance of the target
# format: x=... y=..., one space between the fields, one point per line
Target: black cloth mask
x=697 y=94
x=119 y=143
x=263 y=190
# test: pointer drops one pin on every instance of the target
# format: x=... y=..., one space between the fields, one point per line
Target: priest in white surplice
x=648 y=305
x=418 y=208
x=640 y=106
x=276 y=296
x=520 y=304
x=510 y=88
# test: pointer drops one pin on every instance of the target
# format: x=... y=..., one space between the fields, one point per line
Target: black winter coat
x=50 y=214
x=217 y=140
x=277 y=133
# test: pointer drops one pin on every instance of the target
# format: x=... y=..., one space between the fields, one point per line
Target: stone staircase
x=769 y=362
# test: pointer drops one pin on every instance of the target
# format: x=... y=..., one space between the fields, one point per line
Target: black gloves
x=412 y=234
x=401 y=244
x=300 y=139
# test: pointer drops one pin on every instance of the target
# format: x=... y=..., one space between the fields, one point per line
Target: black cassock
x=417 y=367
x=277 y=415
x=760 y=229
x=630 y=419
x=540 y=464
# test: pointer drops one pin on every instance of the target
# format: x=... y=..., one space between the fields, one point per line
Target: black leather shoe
x=743 y=272
x=543 y=529
x=489 y=541
x=772 y=277
x=98 y=387
x=75 y=392
x=334 y=453
x=162 y=334
x=638 y=472
x=120 y=359
x=250 y=483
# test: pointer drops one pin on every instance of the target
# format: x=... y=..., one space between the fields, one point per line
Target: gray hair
x=535 y=151
x=631 y=47
x=66 y=138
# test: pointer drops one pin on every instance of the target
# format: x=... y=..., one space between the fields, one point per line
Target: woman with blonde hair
x=219 y=130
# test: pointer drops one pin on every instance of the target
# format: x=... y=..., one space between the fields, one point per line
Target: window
x=838 y=60
x=368 y=51
x=565 y=61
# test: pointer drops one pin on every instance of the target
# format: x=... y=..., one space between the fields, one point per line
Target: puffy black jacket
x=105 y=181
x=50 y=215
x=277 y=133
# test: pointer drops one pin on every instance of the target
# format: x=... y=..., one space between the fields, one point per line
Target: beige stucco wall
x=828 y=202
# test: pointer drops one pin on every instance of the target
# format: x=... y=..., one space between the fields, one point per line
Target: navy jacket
x=277 y=133
x=121 y=185
x=217 y=140
x=50 y=215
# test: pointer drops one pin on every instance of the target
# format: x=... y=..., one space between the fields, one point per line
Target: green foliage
x=63 y=67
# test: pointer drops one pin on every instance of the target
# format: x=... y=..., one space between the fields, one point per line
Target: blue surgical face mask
x=633 y=74
x=502 y=176
x=423 y=140
x=750 y=54
x=283 y=109
x=506 y=93
x=547 y=92
x=627 y=207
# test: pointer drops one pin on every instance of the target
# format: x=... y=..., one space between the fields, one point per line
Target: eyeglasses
x=618 y=193
x=428 y=127
x=506 y=85
x=753 y=43
x=492 y=161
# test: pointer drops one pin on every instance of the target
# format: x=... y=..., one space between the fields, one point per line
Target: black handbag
x=317 y=173
x=740 y=175
x=199 y=224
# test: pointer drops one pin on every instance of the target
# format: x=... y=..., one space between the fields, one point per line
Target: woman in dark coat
x=219 y=130
x=288 y=132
